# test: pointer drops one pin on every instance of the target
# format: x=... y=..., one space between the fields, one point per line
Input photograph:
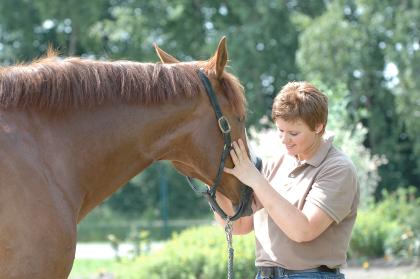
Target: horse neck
x=114 y=143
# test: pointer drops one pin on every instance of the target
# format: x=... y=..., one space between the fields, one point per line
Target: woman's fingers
x=242 y=146
x=238 y=151
x=241 y=151
x=227 y=170
x=234 y=157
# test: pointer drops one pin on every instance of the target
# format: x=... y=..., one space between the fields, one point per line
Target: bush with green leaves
x=391 y=227
x=199 y=252
x=370 y=233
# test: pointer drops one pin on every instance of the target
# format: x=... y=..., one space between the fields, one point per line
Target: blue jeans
x=306 y=275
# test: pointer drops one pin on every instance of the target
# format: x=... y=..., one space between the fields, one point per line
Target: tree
x=344 y=45
x=402 y=49
x=31 y=26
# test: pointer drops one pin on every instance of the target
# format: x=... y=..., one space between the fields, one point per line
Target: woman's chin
x=291 y=152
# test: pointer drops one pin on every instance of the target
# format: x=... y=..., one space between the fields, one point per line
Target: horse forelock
x=52 y=83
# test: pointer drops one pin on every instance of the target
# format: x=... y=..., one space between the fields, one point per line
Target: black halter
x=210 y=193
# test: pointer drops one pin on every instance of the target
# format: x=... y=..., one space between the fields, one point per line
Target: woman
x=306 y=200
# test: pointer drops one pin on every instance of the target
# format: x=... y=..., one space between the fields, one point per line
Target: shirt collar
x=322 y=151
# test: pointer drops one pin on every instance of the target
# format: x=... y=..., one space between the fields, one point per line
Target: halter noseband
x=210 y=193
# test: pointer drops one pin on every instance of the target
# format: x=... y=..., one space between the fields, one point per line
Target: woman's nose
x=284 y=138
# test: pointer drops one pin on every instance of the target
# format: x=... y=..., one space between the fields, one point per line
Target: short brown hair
x=301 y=100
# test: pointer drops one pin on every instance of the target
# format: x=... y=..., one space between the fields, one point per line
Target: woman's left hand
x=244 y=169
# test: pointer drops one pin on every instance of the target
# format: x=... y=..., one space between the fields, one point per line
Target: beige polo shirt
x=327 y=180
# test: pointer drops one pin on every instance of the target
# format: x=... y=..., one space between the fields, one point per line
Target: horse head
x=207 y=145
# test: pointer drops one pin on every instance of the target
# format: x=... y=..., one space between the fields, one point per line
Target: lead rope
x=228 y=231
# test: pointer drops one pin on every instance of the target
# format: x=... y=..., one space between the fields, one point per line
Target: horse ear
x=165 y=57
x=221 y=56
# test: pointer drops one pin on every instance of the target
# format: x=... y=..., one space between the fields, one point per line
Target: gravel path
x=378 y=272
x=383 y=269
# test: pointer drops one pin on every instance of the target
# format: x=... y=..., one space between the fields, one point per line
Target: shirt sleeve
x=334 y=190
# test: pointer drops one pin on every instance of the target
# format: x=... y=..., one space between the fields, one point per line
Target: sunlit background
x=364 y=54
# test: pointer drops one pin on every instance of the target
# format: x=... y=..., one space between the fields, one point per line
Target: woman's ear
x=319 y=128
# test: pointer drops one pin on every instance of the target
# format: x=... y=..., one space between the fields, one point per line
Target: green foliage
x=370 y=234
x=351 y=44
x=196 y=253
x=392 y=227
x=30 y=26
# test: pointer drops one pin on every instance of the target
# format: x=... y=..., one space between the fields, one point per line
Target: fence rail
x=125 y=230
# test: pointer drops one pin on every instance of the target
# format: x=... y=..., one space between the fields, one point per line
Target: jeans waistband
x=273 y=271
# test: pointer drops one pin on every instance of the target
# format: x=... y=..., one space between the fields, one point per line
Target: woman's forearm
x=287 y=217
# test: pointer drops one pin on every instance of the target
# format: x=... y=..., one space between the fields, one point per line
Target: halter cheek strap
x=210 y=193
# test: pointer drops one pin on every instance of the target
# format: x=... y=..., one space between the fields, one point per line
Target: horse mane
x=55 y=84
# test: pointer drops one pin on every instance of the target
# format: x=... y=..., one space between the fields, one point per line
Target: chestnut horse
x=72 y=131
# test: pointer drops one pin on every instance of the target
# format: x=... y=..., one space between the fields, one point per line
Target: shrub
x=199 y=252
x=391 y=227
x=370 y=234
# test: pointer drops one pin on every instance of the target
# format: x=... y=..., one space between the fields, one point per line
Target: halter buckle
x=224 y=125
